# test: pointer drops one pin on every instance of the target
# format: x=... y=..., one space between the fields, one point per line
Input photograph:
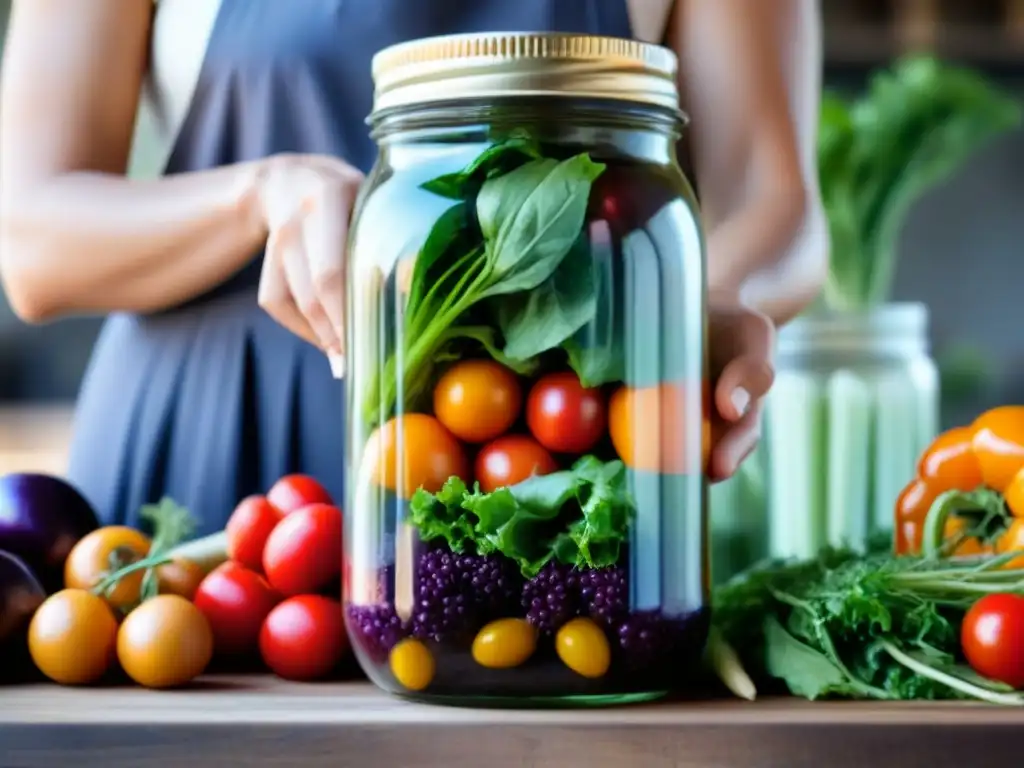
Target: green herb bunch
x=863 y=626
x=917 y=124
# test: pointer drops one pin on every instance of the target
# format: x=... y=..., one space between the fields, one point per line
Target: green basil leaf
x=530 y=219
x=536 y=321
x=493 y=161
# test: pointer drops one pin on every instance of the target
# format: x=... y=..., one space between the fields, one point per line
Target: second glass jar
x=527 y=397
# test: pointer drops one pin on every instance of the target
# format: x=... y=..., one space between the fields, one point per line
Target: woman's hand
x=307 y=201
x=741 y=345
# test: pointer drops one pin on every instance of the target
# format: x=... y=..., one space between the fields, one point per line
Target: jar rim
x=899 y=324
x=516 y=64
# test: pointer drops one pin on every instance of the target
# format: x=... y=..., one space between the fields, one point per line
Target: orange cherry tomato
x=510 y=460
x=949 y=463
x=912 y=506
x=414 y=451
x=998 y=444
x=1013 y=494
x=180 y=577
x=73 y=637
x=478 y=400
x=1012 y=540
x=89 y=561
x=648 y=428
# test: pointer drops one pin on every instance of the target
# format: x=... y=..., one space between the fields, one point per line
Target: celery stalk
x=848 y=403
x=797 y=441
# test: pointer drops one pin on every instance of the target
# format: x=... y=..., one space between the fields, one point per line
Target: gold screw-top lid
x=474 y=66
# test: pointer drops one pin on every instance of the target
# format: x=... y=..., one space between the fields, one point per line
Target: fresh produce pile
x=502 y=429
x=939 y=615
x=87 y=602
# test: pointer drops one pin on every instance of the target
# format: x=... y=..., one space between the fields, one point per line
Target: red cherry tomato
x=992 y=637
x=294 y=492
x=303 y=553
x=235 y=601
x=304 y=637
x=565 y=416
x=510 y=460
x=477 y=400
x=248 y=528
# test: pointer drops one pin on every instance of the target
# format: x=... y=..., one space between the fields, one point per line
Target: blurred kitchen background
x=961 y=248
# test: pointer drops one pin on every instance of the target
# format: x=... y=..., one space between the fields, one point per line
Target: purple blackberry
x=377 y=629
x=604 y=593
x=552 y=597
x=456 y=593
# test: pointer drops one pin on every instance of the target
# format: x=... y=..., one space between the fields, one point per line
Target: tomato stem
x=111 y=580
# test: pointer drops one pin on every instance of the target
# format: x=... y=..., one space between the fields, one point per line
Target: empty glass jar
x=527 y=398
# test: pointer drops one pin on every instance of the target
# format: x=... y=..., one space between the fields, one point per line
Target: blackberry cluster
x=552 y=597
x=604 y=594
x=459 y=592
x=377 y=627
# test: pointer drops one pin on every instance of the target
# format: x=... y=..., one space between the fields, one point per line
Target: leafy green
x=499 y=158
x=862 y=626
x=530 y=219
x=917 y=124
x=526 y=222
x=578 y=516
x=536 y=321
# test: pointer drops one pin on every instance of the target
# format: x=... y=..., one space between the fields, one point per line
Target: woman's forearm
x=89 y=242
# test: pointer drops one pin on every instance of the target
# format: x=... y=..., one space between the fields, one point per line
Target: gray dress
x=212 y=401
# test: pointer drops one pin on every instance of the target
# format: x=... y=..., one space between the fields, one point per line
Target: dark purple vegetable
x=20 y=595
x=41 y=519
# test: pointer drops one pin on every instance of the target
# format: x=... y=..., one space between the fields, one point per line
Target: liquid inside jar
x=528 y=424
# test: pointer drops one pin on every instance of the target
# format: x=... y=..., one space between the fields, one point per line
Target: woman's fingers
x=275 y=296
x=325 y=231
x=747 y=374
x=734 y=444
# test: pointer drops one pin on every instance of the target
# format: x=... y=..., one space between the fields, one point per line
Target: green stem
x=418 y=317
x=145 y=564
x=956 y=683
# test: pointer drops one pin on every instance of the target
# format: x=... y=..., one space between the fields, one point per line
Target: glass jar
x=526 y=410
x=855 y=402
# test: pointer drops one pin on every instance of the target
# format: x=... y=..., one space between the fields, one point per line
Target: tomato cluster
x=989 y=453
x=486 y=428
x=283 y=550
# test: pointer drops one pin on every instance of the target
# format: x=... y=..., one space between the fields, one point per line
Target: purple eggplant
x=20 y=595
x=41 y=519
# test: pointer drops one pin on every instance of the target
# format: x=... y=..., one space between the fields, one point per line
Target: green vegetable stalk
x=878 y=155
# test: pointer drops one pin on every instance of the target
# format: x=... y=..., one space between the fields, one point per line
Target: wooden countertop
x=258 y=721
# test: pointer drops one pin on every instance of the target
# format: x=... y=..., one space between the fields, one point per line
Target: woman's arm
x=75 y=235
x=750 y=77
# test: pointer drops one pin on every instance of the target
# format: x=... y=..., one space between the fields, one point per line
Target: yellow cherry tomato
x=90 y=560
x=583 y=647
x=412 y=665
x=165 y=642
x=504 y=644
x=72 y=637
